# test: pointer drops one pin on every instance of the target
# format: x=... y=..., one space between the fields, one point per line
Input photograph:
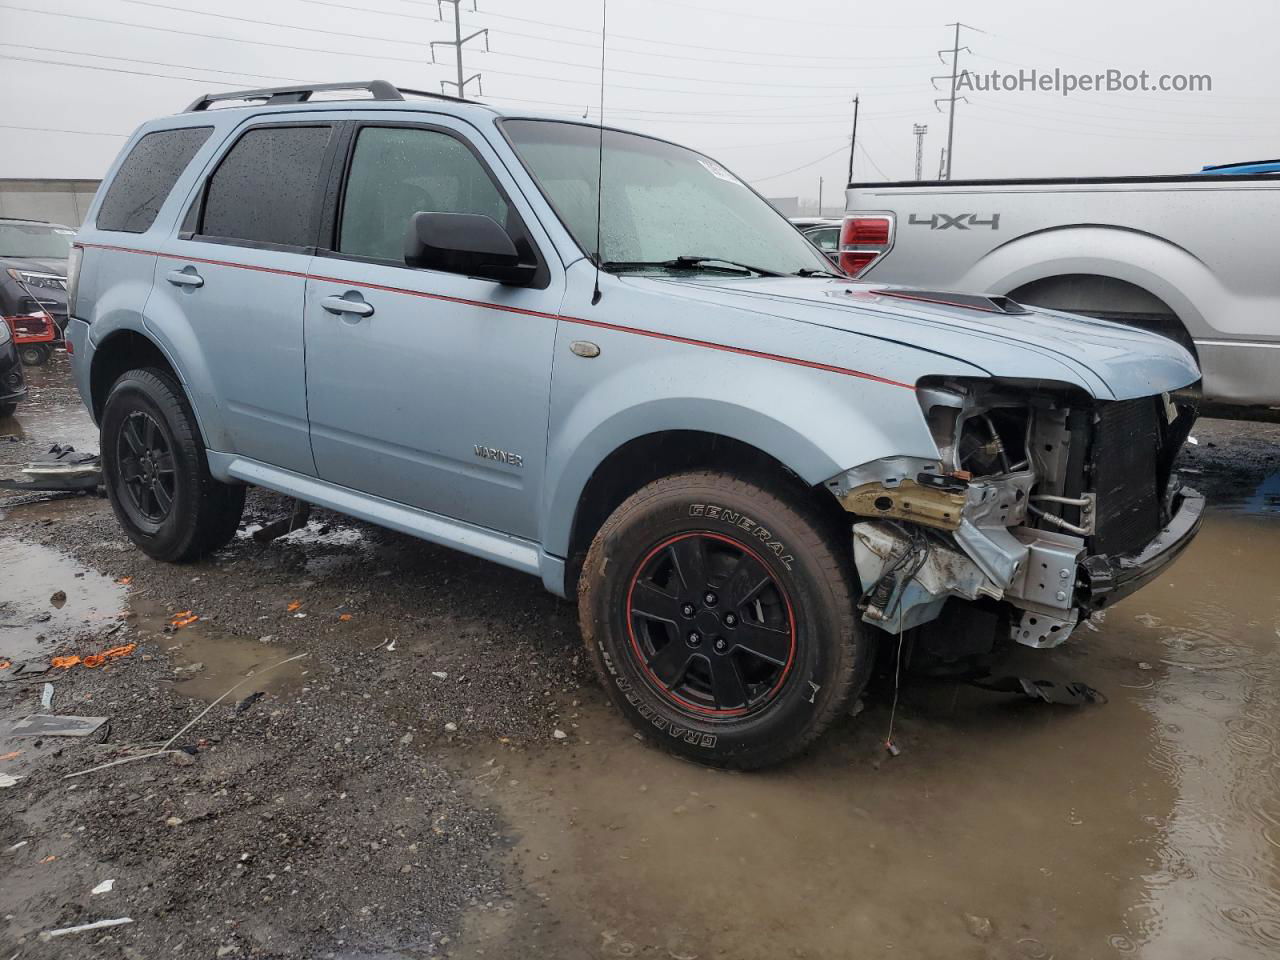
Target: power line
x=803 y=166
x=87 y=133
x=135 y=73
x=150 y=63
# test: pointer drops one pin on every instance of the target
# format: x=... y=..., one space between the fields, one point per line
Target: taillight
x=864 y=239
x=73 y=278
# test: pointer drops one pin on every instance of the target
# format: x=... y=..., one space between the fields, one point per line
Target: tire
x=7 y=410
x=755 y=689
x=157 y=475
x=35 y=354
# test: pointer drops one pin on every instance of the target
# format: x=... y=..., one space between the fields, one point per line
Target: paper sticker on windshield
x=718 y=171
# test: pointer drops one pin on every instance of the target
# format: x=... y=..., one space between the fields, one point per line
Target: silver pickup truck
x=1185 y=256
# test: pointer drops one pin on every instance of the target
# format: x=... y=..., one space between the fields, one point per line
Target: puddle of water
x=31 y=574
x=208 y=660
x=1148 y=826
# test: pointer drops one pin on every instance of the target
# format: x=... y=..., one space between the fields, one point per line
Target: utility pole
x=942 y=162
x=919 y=130
x=457 y=43
x=853 y=139
x=951 y=100
x=819 y=196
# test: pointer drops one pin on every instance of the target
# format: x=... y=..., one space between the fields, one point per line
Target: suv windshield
x=666 y=208
x=35 y=240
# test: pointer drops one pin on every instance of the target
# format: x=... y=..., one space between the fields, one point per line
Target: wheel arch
x=1135 y=263
x=125 y=349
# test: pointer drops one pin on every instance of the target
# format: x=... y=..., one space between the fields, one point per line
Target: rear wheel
x=157 y=474
x=7 y=410
x=721 y=619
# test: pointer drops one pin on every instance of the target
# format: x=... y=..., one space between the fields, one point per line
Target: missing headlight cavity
x=994 y=442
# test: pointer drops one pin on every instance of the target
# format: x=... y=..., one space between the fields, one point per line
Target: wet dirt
x=1148 y=826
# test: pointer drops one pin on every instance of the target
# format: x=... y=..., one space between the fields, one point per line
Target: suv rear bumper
x=1108 y=579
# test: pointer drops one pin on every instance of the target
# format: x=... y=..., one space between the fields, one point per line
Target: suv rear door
x=431 y=389
x=235 y=275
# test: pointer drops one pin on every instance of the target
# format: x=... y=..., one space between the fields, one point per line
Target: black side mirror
x=467 y=243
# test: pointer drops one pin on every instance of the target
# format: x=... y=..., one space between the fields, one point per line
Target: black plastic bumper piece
x=1109 y=579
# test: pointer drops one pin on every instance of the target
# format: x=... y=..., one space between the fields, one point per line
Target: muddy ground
x=401 y=790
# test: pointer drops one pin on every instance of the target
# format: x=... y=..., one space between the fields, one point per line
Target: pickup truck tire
x=720 y=616
x=157 y=474
x=7 y=410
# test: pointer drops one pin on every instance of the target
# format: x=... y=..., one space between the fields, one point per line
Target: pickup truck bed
x=1188 y=256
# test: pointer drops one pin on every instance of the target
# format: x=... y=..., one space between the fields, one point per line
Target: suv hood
x=1113 y=362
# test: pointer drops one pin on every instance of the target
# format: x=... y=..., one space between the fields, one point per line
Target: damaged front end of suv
x=1043 y=507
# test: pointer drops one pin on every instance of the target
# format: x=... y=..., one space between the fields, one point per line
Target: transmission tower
x=954 y=77
x=457 y=43
x=920 y=130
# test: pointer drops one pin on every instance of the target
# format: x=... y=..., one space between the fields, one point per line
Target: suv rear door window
x=265 y=190
x=145 y=178
x=399 y=171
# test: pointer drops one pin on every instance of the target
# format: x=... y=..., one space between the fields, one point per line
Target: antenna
x=604 y=20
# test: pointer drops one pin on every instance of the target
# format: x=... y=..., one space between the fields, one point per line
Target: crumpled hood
x=1109 y=360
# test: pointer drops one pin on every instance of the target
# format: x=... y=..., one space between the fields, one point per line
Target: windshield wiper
x=688 y=263
x=810 y=272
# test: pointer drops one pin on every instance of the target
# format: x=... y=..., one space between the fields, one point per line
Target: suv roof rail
x=301 y=93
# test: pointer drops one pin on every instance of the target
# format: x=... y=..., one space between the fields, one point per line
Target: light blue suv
x=745 y=466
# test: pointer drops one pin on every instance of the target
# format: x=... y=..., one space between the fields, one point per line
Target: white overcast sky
x=763 y=86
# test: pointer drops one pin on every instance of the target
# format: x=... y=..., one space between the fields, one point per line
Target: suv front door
x=427 y=388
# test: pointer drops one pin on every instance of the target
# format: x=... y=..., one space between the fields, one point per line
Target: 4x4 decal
x=961 y=221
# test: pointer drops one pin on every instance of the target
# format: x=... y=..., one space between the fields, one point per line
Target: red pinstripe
x=618 y=328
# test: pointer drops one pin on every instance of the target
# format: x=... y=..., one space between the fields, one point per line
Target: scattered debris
x=892 y=748
x=46 y=697
x=200 y=716
x=181 y=758
x=96 y=925
x=183 y=618
x=279 y=528
x=124 y=581
x=59 y=598
x=190 y=668
x=52 y=725
x=559 y=734
x=248 y=702
x=344 y=617
x=8 y=780
x=440 y=674
x=18 y=846
x=173 y=822
x=93 y=660
x=979 y=927
x=104 y=887
x=451 y=727
x=11 y=755
x=295 y=605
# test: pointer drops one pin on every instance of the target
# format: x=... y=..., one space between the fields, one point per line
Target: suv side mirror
x=467 y=243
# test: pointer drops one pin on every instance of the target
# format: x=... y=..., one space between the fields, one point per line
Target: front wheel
x=157 y=474
x=720 y=617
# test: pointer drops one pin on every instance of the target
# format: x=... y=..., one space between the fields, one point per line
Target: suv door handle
x=186 y=277
x=358 y=308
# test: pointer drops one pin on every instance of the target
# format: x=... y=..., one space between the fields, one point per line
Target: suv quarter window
x=146 y=176
x=397 y=171
x=266 y=190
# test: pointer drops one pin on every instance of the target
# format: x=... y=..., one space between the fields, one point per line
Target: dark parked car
x=33 y=276
x=12 y=386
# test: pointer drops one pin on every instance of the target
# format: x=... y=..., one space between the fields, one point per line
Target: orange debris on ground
x=94 y=659
x=5 y=664
x=345 y=617
x=124 y=581
x=294 y=606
